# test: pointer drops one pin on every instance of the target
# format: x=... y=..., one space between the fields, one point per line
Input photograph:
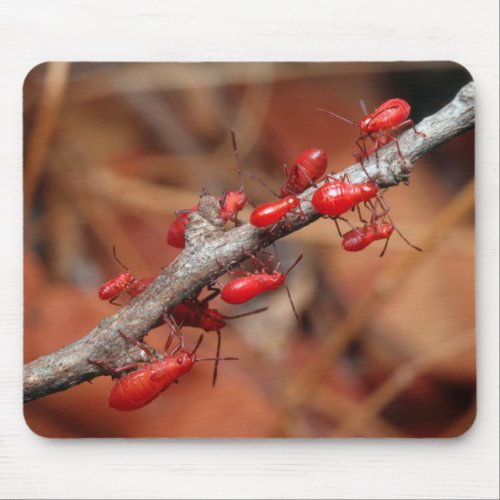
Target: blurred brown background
x=388 y=344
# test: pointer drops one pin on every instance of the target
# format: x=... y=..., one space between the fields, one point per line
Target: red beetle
x=309 y=166
x=262 y=280
x=112 y=288
x=175 y=233
x=232 y=203
x=241 y=290
x=337 y=197
x=196 y=313
x=273 y=211
x=138 y=388
x=124 y=282
x=389 y=116
x=359 y=238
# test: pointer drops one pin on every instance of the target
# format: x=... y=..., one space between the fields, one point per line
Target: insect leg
x=118 y=260
x=216 y=365
x=111 y=369
x=181 y=211
x=208 y=298
x=140 y=345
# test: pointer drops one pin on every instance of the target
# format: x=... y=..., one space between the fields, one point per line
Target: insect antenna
x=385 y=206
x=336 y=116
x=174 y=330
x=200 y=339
x=403 y=237
x=385 y=247
x=168 y=343
x=299 y=258
x=261 y=182
x=218 y=359
x=363 y=106
x=262 y=309
x=237 y=158
x=216 y=365
x=118 y=260
x=293 y=306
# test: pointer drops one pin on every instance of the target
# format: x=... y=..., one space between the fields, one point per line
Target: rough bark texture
x=210 y=252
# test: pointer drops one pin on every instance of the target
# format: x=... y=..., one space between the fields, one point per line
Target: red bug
x=262 y=280
x=273 y=211
x=309 y=166
x=196 y=313
x=175 y=233
x=124 y=282
x=231 y=202
x=138 y=388
x=389 y=116
x=360 y=237
x=337 y=197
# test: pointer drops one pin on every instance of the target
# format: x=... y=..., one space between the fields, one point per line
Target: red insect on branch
x=148 y=380
x=176 y=230
x=272 y=212
x=378 y=228
x=124 y=282
x=309 y=166
x=390 y=116
x=231 y=203
x=196 y=313
x=263 y=279
x=337 y=197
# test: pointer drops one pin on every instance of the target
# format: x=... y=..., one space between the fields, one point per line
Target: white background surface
x=32 y=32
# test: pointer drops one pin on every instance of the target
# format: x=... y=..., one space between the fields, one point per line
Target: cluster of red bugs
x=332 y=199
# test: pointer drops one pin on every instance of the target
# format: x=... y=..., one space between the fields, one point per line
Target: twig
x=210 y=252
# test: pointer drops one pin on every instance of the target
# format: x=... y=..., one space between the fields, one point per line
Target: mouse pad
x=249 y=250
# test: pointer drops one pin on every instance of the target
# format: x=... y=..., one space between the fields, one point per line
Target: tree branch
x=210 y=252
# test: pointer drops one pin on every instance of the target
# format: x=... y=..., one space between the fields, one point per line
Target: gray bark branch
x=210 y=252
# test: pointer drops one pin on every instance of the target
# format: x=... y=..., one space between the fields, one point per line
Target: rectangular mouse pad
x=249 y=250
